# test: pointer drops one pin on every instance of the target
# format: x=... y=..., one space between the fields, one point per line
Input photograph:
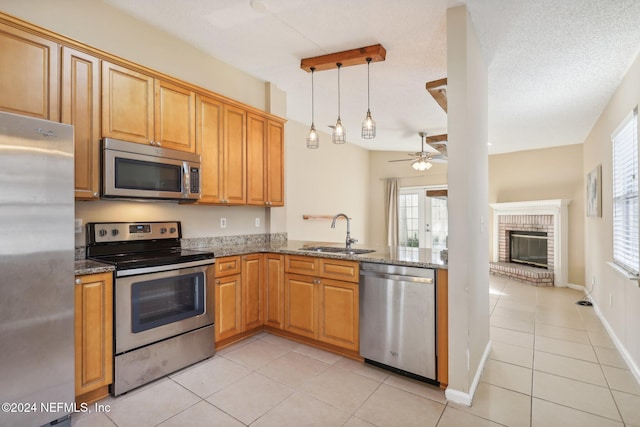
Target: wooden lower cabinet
x=338 y=316
x=228 y=309
x=252 y=293
x=93 y=336
x=318 y=306
x=301 y=305
x=274 y=291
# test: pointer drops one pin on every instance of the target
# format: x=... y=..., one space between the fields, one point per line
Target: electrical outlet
x=78 y=225
x=223 y=222
x=257 y=222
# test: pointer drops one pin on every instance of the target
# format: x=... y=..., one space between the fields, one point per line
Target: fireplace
x=528 y=248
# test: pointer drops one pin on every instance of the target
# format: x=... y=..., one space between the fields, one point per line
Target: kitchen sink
x=336 y=250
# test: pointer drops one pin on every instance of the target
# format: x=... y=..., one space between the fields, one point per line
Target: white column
x=468 y=207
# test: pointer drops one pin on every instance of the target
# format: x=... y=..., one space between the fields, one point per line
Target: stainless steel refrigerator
x=36 y=271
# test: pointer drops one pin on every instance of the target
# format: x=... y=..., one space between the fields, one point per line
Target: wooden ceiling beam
x=358 y=56
x=438 y=89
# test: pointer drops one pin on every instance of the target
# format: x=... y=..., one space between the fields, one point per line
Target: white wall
x=615 y=297
x=468 y=206
x=325 y=181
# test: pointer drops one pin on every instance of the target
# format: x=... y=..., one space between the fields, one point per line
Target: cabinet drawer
x=226 y=266
x=339 y=269
x=301 y=265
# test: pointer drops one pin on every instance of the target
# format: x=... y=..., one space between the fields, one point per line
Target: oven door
x=152 y=307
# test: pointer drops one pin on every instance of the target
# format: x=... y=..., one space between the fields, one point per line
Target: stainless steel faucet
x=349 y=240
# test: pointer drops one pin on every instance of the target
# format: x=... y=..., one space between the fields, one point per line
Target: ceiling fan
x=422 y=160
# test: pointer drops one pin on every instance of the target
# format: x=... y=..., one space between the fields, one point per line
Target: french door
x=422 y=220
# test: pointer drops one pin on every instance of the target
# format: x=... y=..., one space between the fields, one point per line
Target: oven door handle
x=186 y=179
x=159 y=268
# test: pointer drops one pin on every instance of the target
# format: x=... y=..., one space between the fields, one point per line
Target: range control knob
x=114 y=232
x=163 y=230
x=172 y=230
x=102 y=232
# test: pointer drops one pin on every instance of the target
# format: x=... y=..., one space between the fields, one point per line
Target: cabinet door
x=256 y=160
x=339 y=316
x=80 y=94
x=235 y=156
x=175 y=117
x=300 y=305
x=252 y=294
x=275 y=164
x=209 y=134
x=228 y=307
x=93 y=332
x=274 y=291
x=29 y=76
x=127 y=104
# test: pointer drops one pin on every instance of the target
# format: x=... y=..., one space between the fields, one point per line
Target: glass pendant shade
x=339 y=133
x=313 y=139
x=368 y=126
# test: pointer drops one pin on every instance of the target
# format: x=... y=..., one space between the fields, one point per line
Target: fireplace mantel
x=558 y=208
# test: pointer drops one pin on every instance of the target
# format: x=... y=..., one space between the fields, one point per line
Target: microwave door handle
x=185 y=180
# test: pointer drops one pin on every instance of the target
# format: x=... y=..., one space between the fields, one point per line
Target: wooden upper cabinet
x=234 y=155
x=127 y=104
x=221 y=143
x=29 y=74
x=138 y=108
x=265 y=161
x=175 y=117
x=275 y=163
x=80 y=94
x=209 y=141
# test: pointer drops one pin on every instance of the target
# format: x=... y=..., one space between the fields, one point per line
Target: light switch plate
x=257 y=222
x=223 y=222
x=78 y=225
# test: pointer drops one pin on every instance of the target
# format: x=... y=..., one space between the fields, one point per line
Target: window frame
x=625 y=197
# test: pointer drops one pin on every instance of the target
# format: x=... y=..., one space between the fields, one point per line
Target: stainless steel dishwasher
x=398 y=319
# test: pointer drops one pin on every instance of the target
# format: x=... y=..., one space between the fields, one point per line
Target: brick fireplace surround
x=549 y=216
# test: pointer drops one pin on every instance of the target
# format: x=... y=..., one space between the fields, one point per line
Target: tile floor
x=551 y=364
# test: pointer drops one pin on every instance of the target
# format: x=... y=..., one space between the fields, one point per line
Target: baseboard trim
x=573 y=286
x=462 y=397
x=621 y=348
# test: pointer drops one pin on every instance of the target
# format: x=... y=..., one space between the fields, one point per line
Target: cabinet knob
x=95 y=194
x=217 y=282
x=158 y=143
x=78 y=281
x=152 y=142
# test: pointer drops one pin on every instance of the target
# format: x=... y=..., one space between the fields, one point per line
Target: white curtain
x=392 y=212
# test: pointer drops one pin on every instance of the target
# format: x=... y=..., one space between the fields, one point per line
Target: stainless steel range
x=163 y=299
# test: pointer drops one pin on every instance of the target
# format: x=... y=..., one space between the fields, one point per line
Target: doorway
x=423 y=217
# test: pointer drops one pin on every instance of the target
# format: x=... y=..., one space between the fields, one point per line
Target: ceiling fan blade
x=402 y=160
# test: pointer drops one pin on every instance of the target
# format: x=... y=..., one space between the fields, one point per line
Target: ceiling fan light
x=339 y=134
x=368 y=127
x=421 y=164
x=313 y=140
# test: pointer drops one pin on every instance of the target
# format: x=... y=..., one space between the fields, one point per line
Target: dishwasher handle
x=427 y=280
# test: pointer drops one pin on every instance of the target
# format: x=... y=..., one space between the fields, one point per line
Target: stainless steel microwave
x=139 y=171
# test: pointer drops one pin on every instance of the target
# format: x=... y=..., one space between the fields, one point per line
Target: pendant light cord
x=368 y=88
x=339 y=64
x=313 y=69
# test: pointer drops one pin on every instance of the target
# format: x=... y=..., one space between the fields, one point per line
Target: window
x=625 y=194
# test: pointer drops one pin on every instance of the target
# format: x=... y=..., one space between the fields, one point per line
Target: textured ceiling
x=553 y=65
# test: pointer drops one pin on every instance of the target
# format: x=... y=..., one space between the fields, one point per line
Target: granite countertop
x=86 y=266
x=413 y=257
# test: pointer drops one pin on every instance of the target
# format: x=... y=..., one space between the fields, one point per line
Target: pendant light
x=368 y=126
x=313 y=140
x=339 y=134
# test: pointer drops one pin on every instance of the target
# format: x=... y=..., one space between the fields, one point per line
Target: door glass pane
x=408 y=220
x=439 y=224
